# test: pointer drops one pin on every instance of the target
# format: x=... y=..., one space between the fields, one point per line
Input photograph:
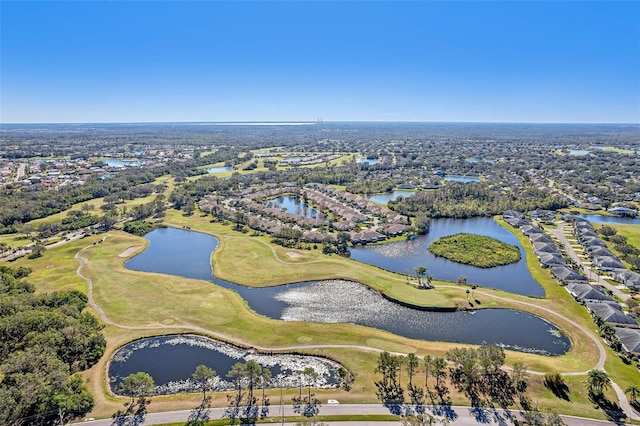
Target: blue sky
x=117 y=61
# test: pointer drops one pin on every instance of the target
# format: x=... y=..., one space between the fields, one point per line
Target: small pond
x=121 y=163
x=579 y=152
x=171 y=360
x=404 y=256
x=618 y=220
x=295 y=205
x=369 y=161
x=171 y=250
x=219 y=169
x=462 y=178
x=390 y=196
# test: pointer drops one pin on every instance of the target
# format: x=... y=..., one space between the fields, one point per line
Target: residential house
x=630 y=339
x=568 y=276
x=611 y=314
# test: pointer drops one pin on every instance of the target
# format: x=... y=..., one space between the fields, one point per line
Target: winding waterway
x=187 y=253
x=404 y=256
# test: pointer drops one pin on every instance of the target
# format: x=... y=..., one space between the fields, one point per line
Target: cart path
x=624 y=403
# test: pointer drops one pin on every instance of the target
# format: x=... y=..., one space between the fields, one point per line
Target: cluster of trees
x=46 y=340
x=476 y=372
x=462 y=200
x=21 y=205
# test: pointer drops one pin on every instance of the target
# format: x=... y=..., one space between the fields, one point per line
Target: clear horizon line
x=311 y=122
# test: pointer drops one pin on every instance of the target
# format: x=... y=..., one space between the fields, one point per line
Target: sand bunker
x=294 y=255
x=128 y=252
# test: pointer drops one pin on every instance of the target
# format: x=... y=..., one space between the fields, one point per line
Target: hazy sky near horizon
x=95 y=61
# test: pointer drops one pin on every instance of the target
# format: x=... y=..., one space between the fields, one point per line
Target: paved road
x=600 y=365
x=559 y=234
x=461 y=416
x=21 y=171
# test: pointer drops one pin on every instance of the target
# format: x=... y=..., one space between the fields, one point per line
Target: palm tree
x=597 y=381
x=420 y=271
x=634 y=392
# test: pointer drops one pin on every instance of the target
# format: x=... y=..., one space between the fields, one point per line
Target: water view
x=171 y=360
x=187 y=253
x=369 y=161
x=219 y=169
x=121 y=163
x=390 y=196
x=403 y=257
x=462 y=178
x=579 y=152
x=295 y=205
x=617 y=220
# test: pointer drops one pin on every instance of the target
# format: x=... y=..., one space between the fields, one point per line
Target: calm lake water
x=171 y=360
x=187 y=253
x=369 y=161
x=404 y=256
x=597 y=218
x=219 y=169
x=390 y=196
x=120 y=163
x=295 y=205
x=462 y=178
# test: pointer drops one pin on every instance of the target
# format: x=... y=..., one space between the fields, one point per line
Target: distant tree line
x=463 y=200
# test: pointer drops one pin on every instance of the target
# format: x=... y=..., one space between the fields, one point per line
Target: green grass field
x=476 y=250
x=159 y=304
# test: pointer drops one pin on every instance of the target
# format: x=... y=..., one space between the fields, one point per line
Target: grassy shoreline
x=475 y=250
x=139 y=299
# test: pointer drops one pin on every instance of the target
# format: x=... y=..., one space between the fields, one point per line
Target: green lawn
x=155 y=300
x=476 y=250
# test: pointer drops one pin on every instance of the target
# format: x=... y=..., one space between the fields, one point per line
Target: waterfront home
x=568 y=276
x=548 y=260
x=589 y=293
x=611 y=314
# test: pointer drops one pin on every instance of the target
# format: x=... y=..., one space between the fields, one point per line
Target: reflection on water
x=404 y=256
x=171 y=360
x=597 y=218
x=187 y=253
x=390 y=196
x=339 y=301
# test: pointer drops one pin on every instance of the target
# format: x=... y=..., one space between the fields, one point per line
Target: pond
x=369 y=161
x=171 y=360
x=121 y=163
x=219 y=169
x=295 y=205
x=462 y=178
x=390 y=196
x=579 y=152
x=333 y=301
x=618 y=220
x=404 y=256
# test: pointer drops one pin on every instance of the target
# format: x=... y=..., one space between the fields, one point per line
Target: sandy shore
x=128 y=252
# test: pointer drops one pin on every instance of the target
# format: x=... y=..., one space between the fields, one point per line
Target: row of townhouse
x=596 y=300
x=545 y=249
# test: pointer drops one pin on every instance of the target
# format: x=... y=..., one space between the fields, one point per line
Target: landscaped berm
x=476 y=250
